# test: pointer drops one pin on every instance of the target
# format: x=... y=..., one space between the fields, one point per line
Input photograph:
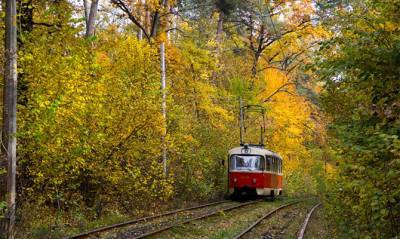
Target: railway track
x=152 y=225
x=269 y=214
x=149 y=226
x=209 y=214
x=305 y=223
x=265 y=216
x=89 y=233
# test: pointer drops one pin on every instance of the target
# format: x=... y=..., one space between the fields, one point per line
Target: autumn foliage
x=91 y=130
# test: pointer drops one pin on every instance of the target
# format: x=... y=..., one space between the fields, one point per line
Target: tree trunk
x=9 y=112
x=254 y=70
x=86 y=7
x=90 y=27
x=218 y=39
x=140 y=33
x=255 y=63
x=167 y=18
x=148 y=20
x=174 y=24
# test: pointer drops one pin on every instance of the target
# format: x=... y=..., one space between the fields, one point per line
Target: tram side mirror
x=223 y=162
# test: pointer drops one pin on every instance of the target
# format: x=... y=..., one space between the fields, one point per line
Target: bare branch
x=280 y=89
x=126 y=10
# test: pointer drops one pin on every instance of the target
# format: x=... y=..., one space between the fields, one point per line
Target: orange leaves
x=291 y=125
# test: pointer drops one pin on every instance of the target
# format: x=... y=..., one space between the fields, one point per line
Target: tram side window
x=268 y=163
x=262 y=163
x=280 y=166
x=277 y=165
x=273 y=164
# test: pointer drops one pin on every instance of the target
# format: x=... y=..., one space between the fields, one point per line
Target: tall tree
x=9 y=112
x=156 y=28
x=264 y=24
x=147 y=25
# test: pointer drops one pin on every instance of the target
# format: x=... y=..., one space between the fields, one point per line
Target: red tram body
x=254 y=170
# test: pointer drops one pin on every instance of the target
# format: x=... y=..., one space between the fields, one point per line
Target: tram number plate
x=245 y=177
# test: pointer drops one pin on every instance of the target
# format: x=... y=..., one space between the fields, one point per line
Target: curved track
x=267 y=215
x=150 y=233
x=153 y=227
x=149 y=226
x=305 y=223
x=144 y=219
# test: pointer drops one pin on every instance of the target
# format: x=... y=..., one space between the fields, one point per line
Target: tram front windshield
x=246 y=162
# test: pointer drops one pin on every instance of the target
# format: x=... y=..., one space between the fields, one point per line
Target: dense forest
x=126 y=107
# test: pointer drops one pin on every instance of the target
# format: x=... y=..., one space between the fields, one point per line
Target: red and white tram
x=254 y=170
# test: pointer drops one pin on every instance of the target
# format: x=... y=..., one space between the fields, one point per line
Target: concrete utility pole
x=164 y=105
x=9 y=142
x=164 y=99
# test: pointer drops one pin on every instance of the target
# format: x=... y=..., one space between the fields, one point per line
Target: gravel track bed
x=281 y=225
x=222 y=225
x=140 y=228
x=318 y=226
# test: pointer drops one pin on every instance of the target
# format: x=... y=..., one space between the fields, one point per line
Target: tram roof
x=252 y=150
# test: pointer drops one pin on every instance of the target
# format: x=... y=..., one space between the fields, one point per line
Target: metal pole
x=263 y=127
x=241 y=120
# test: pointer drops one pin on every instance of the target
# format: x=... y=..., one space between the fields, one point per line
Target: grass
x=220 y=226
x=224 y=225
x=53 y=230
x=318 y=226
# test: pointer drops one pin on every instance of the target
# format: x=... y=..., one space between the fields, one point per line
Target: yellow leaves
x=290 y=125
x=185 y=26
x=80 y=160
x=91 y=113
x=217 y=115
x=331 y=170
x=103 y=59
x=188 y=138
x=390 y=26
x=162 y=37
x=211 y=43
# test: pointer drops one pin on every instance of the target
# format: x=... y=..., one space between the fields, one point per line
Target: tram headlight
x=254 y=180
x=234 y=180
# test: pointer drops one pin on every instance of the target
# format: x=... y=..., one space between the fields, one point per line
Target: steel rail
x=134 y=221
x=305 y=223
x=195 y=218
x=270 y=213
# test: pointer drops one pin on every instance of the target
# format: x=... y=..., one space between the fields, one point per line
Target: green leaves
x=3 y=208
x=360 y=73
